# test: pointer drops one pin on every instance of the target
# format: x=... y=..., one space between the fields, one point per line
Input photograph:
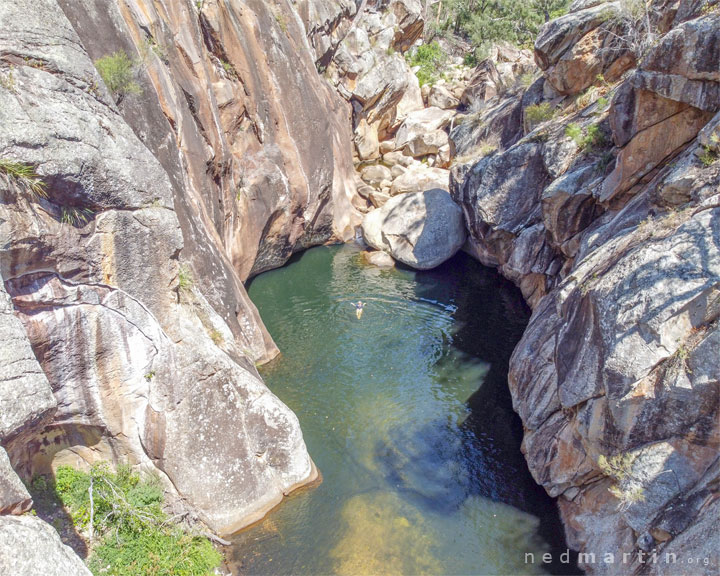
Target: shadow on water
x=439 y=465
x=408 y=415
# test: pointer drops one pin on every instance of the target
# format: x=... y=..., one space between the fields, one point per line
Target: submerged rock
x=379 y=259
x=421 y=230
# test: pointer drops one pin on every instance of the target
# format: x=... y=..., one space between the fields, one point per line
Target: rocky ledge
x=253 y=130
x=602 y=202
x=127 y=334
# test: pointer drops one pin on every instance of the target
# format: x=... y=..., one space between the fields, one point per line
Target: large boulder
x=412 y=99
x=441 y=97
x=422 y=122
x=683 y=66
x=496 y=75
x=375 y=174
x=650 y=147
x=367 y=67
x=409 y=22
x=29 y=547
x=367 y=144
x=666 y=102
x=592 y=55
x=561 y=34
x=419 y=178
x=426 y=143
x=421 y=230
x=575 y=48
x=326 y=23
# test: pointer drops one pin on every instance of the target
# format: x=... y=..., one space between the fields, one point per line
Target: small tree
x=118 y=72
x=630 y=28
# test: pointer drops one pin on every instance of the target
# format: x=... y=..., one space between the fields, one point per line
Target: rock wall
x=124 y=321
x=602 y=202
x=125 y=324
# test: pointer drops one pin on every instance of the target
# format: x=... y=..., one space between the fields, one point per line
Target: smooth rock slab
x=25 y=394
x=421 y=230
x=30 y=547
x=14 y=497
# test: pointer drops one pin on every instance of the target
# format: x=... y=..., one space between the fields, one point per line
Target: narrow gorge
x=535 y=234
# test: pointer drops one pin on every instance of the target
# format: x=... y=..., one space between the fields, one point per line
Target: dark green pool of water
x=407 y=414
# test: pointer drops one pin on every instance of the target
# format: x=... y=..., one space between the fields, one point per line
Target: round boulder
x=379 y=259
x=421 y=229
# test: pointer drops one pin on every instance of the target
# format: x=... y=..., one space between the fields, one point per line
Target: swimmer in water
x=358 y=308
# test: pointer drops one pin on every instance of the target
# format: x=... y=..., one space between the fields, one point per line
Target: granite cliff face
x=125 y=323
x=606 y=215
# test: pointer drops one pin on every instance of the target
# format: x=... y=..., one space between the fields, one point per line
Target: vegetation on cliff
x=485 y=22
x=430 y=58
x=21 y=176
x=120 y=515
x=118 y=72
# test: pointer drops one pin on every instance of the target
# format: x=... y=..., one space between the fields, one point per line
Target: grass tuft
x=587 y=140
x=23 y=177
x=217 y=337
x=708 y=157
x=185 y=279
x=77 y=217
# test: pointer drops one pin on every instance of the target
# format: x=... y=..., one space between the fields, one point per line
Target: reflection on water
x=407 y=415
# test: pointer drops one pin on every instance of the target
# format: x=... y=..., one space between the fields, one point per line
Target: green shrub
x=118 y=72
x=574 y=132
x=470 y=59
x=281 y=21
x=587 y=140
x=216 y=337
x=156 y=552
x=604 y=161
x=536 y=114
x=429 y=57
x=708 y=157
x=595 y=138
x=22 y=176
x=229 y=69
x=7 y=80
x=526 y=80
x=133 y=534
x=627 y=489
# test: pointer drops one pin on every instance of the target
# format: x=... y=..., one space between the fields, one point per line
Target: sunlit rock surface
x=606 y=214
x=125 y=306
x=421 y=230
x=30 y=547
